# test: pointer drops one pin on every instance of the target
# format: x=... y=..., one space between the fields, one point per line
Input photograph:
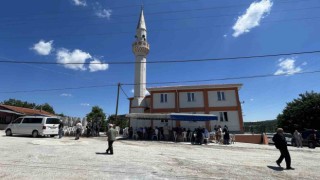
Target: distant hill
x=268 y=126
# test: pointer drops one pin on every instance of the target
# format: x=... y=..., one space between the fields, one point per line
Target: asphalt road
x=51 y=158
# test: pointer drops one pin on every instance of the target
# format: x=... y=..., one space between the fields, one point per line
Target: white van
x=34 y=125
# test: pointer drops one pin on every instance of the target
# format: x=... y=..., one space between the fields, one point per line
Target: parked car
x=288 y=137
x=34 y=125
x=305 y=138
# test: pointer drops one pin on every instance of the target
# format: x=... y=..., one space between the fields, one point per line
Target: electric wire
x=123 y=91
x=168 y=82
x=108 y=34
x=164 y=61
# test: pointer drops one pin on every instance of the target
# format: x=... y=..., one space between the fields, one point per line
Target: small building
x=10 y=113
x=219 y=100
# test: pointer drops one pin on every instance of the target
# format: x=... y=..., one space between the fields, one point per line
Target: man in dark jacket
x=60 y=129
x=281 y=144
x=111 y=138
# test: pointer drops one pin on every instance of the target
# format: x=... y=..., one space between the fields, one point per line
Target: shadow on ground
x=276 y=168
x=102 y=153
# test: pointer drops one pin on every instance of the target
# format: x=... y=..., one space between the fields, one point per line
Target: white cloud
x=104 y=13
x=304 y=63
x=252 y=17
x=251 y=99
x=84 y=104
x=66 y=95
x=132 y=91
x=43 y=48
x=287 y=66
x=225 y=36
x=80 y=2
x=64 y=56
x=97 y=65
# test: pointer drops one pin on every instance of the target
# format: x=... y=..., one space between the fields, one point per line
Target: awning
x=173 y=116
x=193 y=117
x=148 y=116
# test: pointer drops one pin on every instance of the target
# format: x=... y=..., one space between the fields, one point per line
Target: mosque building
x=188 y=106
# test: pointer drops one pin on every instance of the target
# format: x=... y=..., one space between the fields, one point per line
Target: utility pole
x=117 y=102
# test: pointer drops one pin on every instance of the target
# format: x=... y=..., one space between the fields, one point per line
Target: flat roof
x=186 y=87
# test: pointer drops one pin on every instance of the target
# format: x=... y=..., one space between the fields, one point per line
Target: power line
x=90 y=10
x=168 y=82
x=123 y=91
x=167 y=61
x=158 y=30
x=162 y=20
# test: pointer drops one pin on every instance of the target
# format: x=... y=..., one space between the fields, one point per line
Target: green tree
x=97 y=115
x=18 y=103
x=46 y=107
x=302 y=113
x=25 y=104
x=121 y=121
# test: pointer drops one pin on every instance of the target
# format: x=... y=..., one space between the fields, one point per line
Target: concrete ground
x=51 y=158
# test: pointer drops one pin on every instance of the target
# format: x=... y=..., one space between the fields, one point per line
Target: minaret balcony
x=140 y=48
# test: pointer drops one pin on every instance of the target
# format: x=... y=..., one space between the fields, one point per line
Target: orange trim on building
x=226 y=108
x=176 y=94
x=239 y=111
x=167 y=110
x=206 y=101
x=138 y=107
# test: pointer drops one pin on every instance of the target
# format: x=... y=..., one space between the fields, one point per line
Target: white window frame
x=163 y=98
x=221 y=96
x=191 y=97
x=223 y=116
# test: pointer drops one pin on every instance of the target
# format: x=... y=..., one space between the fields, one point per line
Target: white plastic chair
x=184 y=133
x=135 y=135
x=190 y=135
x=232 y=138
x=175 y=136
x=155 y=135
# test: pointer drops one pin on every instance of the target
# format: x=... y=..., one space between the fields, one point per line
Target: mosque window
x=191 y=97
x=164 y=98
x=221 y=96
x=223 y=116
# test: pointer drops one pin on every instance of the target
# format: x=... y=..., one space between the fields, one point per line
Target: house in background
x=10 y=113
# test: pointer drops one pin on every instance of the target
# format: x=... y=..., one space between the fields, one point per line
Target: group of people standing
x=93 y=128
x=219 y=132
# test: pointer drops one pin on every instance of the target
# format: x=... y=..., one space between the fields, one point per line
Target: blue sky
x=103 y=31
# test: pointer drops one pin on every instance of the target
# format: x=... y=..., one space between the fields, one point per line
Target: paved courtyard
x=51 y=158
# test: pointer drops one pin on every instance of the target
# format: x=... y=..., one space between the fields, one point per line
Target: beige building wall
x=230 y=99
x=183 y=100
x=157 y=101
x=232 y=123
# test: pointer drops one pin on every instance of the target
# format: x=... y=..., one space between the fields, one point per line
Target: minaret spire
x=141 y=22
x=140 y=49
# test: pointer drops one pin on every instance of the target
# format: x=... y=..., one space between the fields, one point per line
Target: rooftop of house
x=25 y=111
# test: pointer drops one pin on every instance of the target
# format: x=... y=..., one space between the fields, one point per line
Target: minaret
x=140 y=49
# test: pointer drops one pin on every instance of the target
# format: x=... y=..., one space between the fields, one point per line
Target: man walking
x=60 y=129
x=111 y=134
x=281 y=144
x=78 y=130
